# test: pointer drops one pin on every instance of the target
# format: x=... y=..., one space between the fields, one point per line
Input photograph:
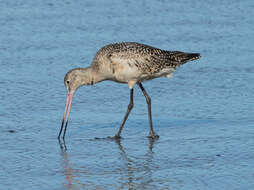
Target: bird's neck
x=90 y=76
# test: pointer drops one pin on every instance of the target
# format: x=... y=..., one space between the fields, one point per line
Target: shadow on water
x=135 y=174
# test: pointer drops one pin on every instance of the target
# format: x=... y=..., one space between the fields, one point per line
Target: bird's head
x=76 y=78
x=72 y=81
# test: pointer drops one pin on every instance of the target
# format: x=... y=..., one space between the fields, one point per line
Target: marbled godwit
x=127 y=62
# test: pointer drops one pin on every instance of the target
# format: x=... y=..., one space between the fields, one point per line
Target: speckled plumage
x=147 y=58
x=147 y=61
x=127 y=62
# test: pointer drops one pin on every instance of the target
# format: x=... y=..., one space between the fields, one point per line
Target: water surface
x=204 y=114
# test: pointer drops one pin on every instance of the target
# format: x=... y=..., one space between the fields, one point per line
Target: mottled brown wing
x=145 y=62
x=146 y=58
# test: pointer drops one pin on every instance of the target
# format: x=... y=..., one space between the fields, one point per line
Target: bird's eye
x=67 y=81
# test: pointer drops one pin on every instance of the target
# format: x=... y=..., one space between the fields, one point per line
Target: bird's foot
x=116 y=137
x=108 y=138
x=153 y=136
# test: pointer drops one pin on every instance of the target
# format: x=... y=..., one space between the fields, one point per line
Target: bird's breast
x=125 y=72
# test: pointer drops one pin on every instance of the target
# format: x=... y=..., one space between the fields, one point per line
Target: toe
x=153 y=136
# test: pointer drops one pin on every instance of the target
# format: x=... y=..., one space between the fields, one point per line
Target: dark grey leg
x=152 y=134
x=130 y=106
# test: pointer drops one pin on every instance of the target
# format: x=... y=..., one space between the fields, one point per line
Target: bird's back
x=144 y=58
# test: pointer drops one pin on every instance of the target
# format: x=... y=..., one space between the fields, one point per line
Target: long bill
x=66 y=112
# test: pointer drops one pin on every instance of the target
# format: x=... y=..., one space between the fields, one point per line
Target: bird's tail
x=180 y=58
x=185 y=57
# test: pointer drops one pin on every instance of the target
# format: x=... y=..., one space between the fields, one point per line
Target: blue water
x=203 y=114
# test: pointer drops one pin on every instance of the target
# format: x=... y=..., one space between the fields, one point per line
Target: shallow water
x=203 y=114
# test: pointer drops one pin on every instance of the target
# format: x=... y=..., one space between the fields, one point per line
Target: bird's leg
x=152 y=134
x=130 y=106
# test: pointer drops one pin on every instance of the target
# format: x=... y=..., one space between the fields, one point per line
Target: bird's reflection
x=62 y=145
x=135 y=167
x=69 y=173
x=136 y=174
x=151 y=143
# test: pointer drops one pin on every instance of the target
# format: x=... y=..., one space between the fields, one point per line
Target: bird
x=129 y=63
